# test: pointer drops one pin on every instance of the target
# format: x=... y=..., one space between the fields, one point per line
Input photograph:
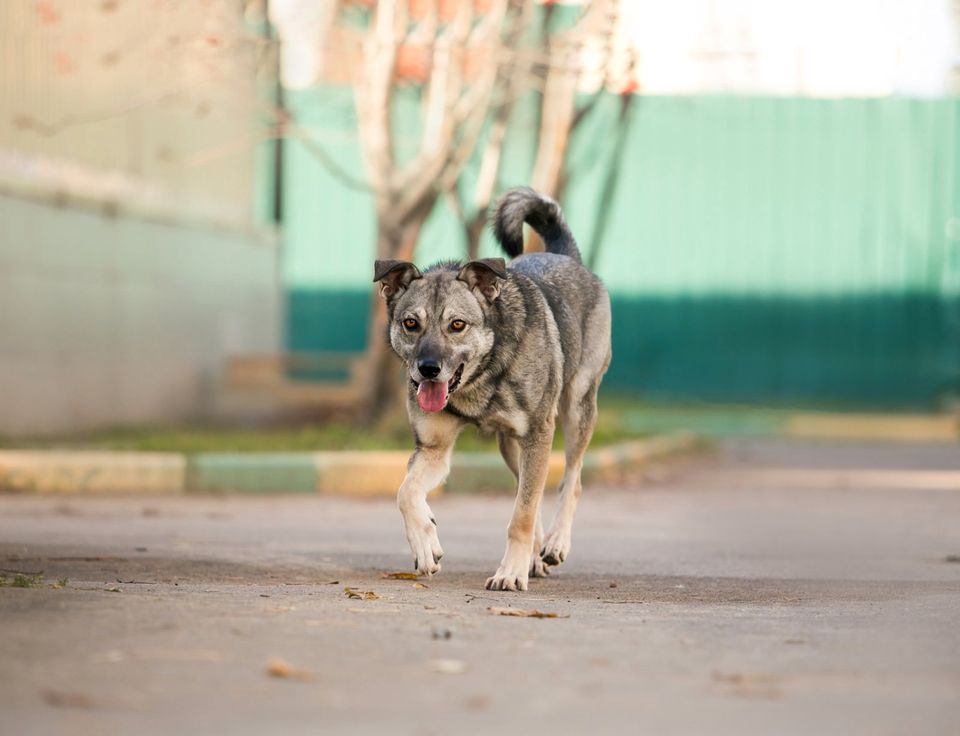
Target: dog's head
x=438 y=322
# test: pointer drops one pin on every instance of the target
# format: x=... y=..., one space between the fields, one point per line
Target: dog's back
x=577 y=298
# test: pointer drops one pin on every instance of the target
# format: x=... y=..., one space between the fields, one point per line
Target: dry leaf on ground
x=400 y=576
x=363 y=595
x=448 y=666
x=63 y=699
x=277 y=667
x=525 y=613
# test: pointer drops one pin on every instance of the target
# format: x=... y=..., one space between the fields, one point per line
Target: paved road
x=776 y=588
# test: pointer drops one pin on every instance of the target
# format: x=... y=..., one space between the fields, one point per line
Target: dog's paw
x=556 y=547
x=538 y=569
x=513 y=573
x=425 y=545
x=507 y=581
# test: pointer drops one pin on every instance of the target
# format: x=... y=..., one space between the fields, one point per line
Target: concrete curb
x=884 y=427
x=358 y=474
x=827 y=426
x=62 y=472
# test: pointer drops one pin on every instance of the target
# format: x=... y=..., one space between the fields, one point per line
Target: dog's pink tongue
x=432 y=396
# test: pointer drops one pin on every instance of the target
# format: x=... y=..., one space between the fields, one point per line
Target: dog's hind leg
x=514 y=570
x=538 y=568
x=510 y=449
x=578 y=414
x=427 y=468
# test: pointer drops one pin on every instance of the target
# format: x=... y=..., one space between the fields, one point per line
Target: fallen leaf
x=421 y=585
x=477 y=702
x=400 y=576
x=363 y=595
x=62 y=699
x=524 y=612
x=447 y=666
x=279 y=668
x=757 y=685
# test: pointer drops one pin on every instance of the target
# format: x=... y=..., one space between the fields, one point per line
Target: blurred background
x=192 y=195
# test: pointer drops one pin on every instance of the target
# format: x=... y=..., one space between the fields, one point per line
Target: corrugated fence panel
x=757 y=249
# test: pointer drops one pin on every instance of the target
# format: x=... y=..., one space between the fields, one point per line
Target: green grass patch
x=389 y=435
x=22 y=580
x=13 y=579
x=621 y=418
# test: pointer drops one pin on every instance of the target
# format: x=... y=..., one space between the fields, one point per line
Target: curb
x=76 y=473
x=886 y=427
x=827 y=426
x=349 y=473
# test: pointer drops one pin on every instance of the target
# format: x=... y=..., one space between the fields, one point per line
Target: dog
x=509 y=348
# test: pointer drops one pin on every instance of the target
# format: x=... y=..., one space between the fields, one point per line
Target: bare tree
x=460 y=57
x=512 y=82
x=555 y=70
x=559 y=114
x=627 y=104
x=469 y=66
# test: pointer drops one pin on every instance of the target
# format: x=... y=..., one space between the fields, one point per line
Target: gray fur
x=535 y=347
x=539 y=212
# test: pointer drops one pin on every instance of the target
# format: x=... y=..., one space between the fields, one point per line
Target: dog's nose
x=429 y=368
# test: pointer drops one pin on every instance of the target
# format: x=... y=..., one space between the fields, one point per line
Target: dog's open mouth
x=432 y=395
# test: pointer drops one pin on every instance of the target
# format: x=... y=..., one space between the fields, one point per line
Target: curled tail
x=539 y=212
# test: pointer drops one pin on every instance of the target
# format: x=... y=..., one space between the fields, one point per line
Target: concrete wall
x=107 y=320
x=155 y=106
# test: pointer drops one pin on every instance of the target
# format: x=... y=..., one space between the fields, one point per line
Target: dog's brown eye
x=410 y=323
x=457 y=325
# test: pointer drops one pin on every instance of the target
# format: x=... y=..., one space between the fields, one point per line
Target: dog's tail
x=539 y=212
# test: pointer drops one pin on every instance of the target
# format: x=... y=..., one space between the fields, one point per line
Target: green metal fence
x=758 y=249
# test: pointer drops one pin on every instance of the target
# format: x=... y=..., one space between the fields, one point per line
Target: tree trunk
x=386 y=386
x=610 y=180
x=473 y=231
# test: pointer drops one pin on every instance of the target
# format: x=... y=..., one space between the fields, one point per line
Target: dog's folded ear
x=394 y=276
x=485 y=276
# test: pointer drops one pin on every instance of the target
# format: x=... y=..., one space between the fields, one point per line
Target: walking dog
x=510 y=348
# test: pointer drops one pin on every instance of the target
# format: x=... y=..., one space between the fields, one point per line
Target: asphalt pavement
x=774 y=587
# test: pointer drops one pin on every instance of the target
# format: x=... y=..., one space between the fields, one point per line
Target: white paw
x=424 y=543
x=556 y=547
x=514 y=571
x=538 y=569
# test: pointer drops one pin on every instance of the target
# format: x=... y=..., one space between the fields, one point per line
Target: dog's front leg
x=427 y=469
x=514 y=570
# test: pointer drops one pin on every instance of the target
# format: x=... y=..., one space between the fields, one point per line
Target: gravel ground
x=777 y=587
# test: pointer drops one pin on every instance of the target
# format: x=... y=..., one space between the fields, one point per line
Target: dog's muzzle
x=432 y=395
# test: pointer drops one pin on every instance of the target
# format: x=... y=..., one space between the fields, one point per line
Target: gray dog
x=507 y=348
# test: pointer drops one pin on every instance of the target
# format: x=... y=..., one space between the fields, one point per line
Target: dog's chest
x=513 y=423
x=491 y=418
